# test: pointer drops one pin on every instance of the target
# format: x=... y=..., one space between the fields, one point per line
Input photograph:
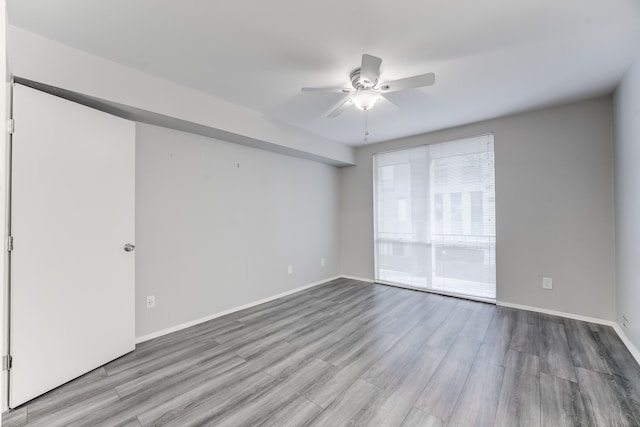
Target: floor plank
x=80 y=413
x=519 y=403
x=526 y=333
x=387 y=366
x=603 y=400
x=324 y=393
x=479 y=399
x=350 y=353
x=585 y=351
x=418 y=418
x=624 y=367
x=497 y=340
x=478 y=324
x=450 y=328
x=397 y=398
x=15 y=418
x=207 y=402
x=555 y=356
x=560 y=402
x=266 y=405
x=299 y=412
x=349 y=406
x=441 y=393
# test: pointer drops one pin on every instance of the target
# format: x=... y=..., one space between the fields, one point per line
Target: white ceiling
x=491 y=58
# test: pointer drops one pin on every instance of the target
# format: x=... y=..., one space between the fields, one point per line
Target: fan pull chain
x=366 y=126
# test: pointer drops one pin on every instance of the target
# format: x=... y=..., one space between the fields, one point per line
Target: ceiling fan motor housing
x=359 y=83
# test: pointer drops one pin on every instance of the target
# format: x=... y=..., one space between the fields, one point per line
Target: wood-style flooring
x=350 y=353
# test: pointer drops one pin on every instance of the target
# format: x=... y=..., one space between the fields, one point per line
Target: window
x=477 y=214
x=438 y=214
x=435 y=206
x=402 y=209
x=387 y=176
x=455 y=221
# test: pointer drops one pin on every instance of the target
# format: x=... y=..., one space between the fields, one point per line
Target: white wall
x=627 y=201
x=554 y=206
x=211 y=236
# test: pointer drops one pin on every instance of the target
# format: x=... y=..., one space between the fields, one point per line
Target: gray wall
x=627 y=184
x=554 y=206
x=159 y=100
x=211 y=236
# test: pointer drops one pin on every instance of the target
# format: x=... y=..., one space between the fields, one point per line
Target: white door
x=72 y=282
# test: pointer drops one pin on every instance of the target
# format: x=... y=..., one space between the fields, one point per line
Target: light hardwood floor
x=350 y=353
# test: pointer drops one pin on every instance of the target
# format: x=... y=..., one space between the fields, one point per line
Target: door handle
x=129 y=247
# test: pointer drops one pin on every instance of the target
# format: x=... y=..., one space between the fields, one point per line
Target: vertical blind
x=434 y=215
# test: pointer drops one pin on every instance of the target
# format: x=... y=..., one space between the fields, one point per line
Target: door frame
x=6 y=261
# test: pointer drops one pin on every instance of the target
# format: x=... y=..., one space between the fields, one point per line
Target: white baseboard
x=229 y=311
x=557 y=313
x=362 y=279
x=623 y=337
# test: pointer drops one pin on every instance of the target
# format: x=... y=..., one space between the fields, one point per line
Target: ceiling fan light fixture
x=365 y=99
x=366 y=91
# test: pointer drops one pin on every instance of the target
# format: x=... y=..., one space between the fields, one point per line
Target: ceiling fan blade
x=327 y=89
x=390 y=104
x=370 y=70
x=408 y=83
x=340 y=108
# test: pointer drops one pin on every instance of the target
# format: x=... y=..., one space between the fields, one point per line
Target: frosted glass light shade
x=365 y=99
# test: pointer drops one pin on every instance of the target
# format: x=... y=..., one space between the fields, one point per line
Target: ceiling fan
x=367 y=89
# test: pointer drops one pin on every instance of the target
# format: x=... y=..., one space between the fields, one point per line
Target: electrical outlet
x=322 y=262
x=151 y=301
x=547 y=283
x=290 y=269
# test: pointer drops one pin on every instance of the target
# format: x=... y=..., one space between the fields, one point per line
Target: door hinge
x=7 y=363
x=11 y=126
x=9 y=243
